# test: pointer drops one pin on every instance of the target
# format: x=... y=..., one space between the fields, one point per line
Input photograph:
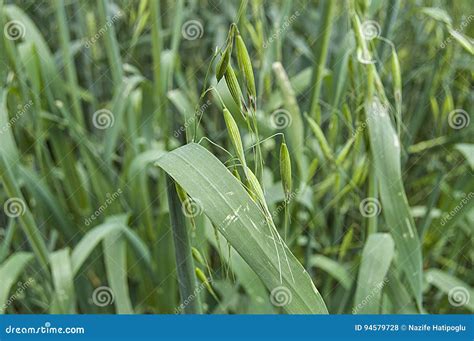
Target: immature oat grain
x=255 y=188
x=234 y=134
x=224 y=61
x=245 y=65
x=285 y=170
x=233 y=85
x=197 y=256
x=202 y=277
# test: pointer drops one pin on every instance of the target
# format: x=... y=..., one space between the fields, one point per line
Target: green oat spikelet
x=255 y=189
x=245 y=65
x=285 y=170
x=223 y=62
x=197 y=256
x=233 y=85
x=234 y=134
x=225 y=59
x=202 y=277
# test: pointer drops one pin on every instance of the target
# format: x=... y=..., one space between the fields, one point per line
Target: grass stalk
x=65 y=41
x=183 y=252
x=321 y=53
x=26 y=219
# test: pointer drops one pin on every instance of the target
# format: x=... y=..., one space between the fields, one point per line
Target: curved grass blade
x=242 y=223
x=115 y=223
x=115 y=252
x=335 y=269
x=385 y=148
x=63 y=280
x=9 y=273
x=459 y=293
x=44 y=196
x=376 y=258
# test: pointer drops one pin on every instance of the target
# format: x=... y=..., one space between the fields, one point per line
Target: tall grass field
x=236 y=157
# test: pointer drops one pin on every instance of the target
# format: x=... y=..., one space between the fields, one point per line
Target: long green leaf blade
x=385 y=146
x=238 y=218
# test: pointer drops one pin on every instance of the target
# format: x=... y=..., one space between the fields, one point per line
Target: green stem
x=111 y=44
x=320 y=61
x=184 y=259
x=68 y=61
x=156 y=48
x=26 y=218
